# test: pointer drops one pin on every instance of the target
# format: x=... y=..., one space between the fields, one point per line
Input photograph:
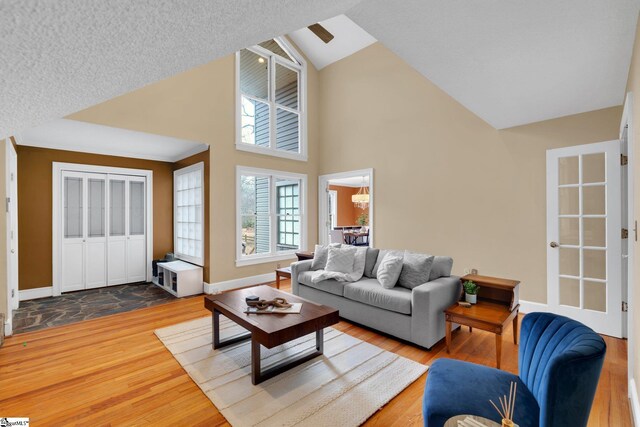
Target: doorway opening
x=346 y=206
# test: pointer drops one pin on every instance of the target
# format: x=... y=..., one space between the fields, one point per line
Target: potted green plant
x=470 y=291
x=363 y=220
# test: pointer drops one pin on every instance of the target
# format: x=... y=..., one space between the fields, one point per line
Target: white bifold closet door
x=127 y=229
x=104 y=230
x=84 y=251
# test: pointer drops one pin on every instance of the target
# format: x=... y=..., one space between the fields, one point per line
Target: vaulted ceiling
x=510 y=62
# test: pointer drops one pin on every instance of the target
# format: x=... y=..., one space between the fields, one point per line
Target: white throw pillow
x=320 y=256
x=341 y=260
x=389 y=271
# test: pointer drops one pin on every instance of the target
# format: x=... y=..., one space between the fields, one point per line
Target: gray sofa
x=414 y=315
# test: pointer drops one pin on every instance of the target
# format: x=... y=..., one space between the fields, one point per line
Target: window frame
x=273 y=254
x=301 y=68
x=188 y=169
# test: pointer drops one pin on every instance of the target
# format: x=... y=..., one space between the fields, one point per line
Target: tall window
x=270 y=209
x=188 y=206
x=271 y=111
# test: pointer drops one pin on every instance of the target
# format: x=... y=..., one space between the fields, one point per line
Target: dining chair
x=336 y=236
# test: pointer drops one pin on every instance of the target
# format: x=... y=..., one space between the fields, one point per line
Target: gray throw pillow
x=320 y=255
x=389 y=271
x=341 y=260
x=381 y=255
x=370 y=261
x=415 y=269
x=441 y=267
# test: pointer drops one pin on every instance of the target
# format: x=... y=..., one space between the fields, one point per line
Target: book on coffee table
x=295 y=308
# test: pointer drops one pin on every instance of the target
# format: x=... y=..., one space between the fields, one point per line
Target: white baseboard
x=634 y=402
x=8 y=330
x=214 y=288
x=36 y=293
x=532 y=306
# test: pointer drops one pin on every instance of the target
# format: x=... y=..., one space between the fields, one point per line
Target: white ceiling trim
x=72 y=135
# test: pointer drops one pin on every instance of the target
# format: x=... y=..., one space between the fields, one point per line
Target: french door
x=103 y=230
x=584 y=252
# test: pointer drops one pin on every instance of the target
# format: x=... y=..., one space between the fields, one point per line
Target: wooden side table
x=303 y=255
x=497 y=306
x=282 y=272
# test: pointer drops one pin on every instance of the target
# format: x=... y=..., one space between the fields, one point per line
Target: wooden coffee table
x=270 y=330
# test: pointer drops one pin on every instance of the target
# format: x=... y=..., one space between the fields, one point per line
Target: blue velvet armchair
x=560 y=361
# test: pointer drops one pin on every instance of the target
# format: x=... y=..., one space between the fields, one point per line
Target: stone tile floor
x=83 y=305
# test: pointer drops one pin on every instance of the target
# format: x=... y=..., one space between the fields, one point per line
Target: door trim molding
x=57 y=169
x=35 y=293
x=322 y=202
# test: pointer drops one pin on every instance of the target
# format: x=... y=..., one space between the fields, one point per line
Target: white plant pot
x=470 y=298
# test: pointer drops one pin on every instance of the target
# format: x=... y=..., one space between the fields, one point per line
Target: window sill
x=271 y=152
x=259 y=259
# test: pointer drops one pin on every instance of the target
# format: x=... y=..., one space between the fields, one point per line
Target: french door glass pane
x=116 y=208
x=569 y=231
x=254 y=74
x=593 y=200
x=568 y=170
x=73 y=207
x=97 y=222
x=570 y=261
x=594 y=232
x=595 y=296
x=136 y=208
x=569 y=200
x=569 y=292
x=287 y=131
x=595 y=264
x=593 y=168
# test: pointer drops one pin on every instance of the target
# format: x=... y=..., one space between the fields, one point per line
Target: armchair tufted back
x=560 y=362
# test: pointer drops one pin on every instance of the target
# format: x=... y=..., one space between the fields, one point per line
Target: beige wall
x=200 y=105
x=3 y=232
x=445 y=181
x=633 y=85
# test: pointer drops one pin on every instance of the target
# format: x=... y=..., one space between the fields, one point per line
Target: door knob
x=13 y=251
x=554 y=244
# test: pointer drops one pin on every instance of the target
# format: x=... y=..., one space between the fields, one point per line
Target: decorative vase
x=470 y=298
x=505 y=422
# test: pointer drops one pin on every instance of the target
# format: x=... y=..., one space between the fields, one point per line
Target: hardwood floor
x=114 y=371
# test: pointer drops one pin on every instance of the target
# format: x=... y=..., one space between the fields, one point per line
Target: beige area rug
x=344 y=387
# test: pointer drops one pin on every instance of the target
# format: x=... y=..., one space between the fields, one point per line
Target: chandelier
x=361 y=198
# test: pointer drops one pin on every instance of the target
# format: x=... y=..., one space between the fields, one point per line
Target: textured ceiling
x=61 y=56
x=512 y=62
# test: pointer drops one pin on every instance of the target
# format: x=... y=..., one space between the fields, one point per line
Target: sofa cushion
x=371 y=292
x=381 y=254
x=455 y=387
x=441 y=267
x=370 y=262
x=415 y=269
x=331 y=286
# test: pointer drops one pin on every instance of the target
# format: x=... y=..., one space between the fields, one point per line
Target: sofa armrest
x=296 y=269
x=428 y=302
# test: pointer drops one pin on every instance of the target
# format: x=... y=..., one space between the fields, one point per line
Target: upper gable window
x=271 y=90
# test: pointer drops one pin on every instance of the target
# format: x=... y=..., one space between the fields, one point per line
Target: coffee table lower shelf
x=257 y=374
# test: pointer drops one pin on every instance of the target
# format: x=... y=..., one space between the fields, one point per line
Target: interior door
x=96 y=231
x=584 y=253
x=117 y=241
x=73 y=226
x=136 y=224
